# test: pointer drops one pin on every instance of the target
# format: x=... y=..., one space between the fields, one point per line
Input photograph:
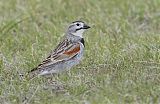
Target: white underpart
x=79 y=33
x=44 y=72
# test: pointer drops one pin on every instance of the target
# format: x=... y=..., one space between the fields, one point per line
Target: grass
x=122 y=57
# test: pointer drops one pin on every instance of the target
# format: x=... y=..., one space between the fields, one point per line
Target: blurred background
x=122 y=56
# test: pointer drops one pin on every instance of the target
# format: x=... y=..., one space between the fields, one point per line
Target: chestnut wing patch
x=73 y=51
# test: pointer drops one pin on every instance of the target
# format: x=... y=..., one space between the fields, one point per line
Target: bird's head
x=77 y=28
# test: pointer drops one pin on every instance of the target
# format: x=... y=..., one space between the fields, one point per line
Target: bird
x=68 y=52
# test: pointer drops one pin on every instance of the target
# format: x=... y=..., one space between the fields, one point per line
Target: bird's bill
x=86 y=26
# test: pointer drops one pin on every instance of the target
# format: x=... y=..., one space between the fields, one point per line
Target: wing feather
x=64 y=51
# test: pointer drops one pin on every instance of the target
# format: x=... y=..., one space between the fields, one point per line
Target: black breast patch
x=82 y=41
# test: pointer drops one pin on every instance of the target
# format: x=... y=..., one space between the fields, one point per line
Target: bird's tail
x=33 y=73
x=29 y=75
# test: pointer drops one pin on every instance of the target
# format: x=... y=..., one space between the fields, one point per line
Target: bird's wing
x=64 y=51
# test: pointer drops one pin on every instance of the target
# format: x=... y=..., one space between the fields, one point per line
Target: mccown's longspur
x=67 y=54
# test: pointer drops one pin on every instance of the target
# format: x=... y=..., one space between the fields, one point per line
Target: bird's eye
x=78 y=24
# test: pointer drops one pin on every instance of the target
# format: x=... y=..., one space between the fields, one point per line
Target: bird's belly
x=76 y=60
x=70 y=63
